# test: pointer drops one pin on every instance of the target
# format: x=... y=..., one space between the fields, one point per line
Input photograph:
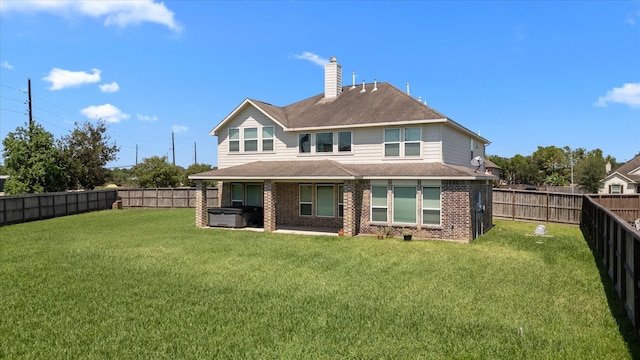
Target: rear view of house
x=361 y=158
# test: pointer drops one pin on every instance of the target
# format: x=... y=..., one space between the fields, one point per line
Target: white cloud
x=312 y=57
x=6 y=65
x=628 y=94
x=106 y=112
x=632 y=18
x=61 y=79
x=120 y=13
x=179 y=129
x=147 y=118
x=110 y=88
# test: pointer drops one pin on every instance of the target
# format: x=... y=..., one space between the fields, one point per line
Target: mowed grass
x=147 y=284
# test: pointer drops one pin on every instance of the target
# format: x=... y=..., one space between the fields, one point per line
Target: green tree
x=551 y=161
x=85 y=152
x=122 y=177
x=195 y=169
x=590 y=170
x=523 y=170
x=32 y=162
x=157 y=172
x=3 y=171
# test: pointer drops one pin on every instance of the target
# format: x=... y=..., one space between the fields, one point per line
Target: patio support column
x=349 y=210
x=201 y=204
x=269 y=202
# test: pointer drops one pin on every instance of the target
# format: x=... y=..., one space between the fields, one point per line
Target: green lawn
x=147 y=284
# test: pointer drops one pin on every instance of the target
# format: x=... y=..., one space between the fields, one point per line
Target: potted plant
x=380 y=234
x=406 y=234
x=341 y=232
x=388 y=231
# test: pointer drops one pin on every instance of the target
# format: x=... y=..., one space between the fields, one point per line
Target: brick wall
x=287 y=213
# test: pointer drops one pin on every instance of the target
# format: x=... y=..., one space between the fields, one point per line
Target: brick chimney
x=332 y=79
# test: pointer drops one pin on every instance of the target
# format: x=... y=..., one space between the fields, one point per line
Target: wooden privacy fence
x=22 y=208
x=164 y=197
x=537 y=206
x=617 y=244
x=626 y=206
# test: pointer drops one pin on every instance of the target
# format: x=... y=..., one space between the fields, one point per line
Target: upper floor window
x=234 y=140
x=344 y=141
x=267 y=138
x=304 y=141
x=402 y=142
x=324 y=142
x=251 y=139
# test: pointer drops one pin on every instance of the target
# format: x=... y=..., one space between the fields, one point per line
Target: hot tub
x=236 y=217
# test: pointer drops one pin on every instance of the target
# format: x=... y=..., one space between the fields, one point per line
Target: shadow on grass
x=615 y=304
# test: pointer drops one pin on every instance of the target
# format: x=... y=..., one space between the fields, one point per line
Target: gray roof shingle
x=328 y=169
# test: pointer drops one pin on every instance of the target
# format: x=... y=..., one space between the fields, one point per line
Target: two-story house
x=623 y=180
x=359 y=158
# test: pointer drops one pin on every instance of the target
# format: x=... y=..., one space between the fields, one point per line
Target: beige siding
x=440 y=143
x=247 y=117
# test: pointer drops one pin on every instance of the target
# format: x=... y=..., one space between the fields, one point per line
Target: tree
x=523 y=170
x=122 y=177
x=551 y=161
x=590 y=171
x=3 y=171
x=85 y=152
x=195 y=169
x=157 y=172
x=32 y=162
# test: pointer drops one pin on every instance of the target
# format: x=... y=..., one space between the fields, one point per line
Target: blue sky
x=522 y=74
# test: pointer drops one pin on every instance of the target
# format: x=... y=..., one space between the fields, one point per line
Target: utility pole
x=29 y=101
x=173 y=149
x=136 y=154
x=195 y=153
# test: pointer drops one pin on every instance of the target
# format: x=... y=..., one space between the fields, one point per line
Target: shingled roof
x=352 y=108
x=627 y=168
x=330 y=170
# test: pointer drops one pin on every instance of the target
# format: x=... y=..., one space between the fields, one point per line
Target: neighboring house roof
x=629 y=170
x=328 y=169
x=488 y=164
x=386 y=105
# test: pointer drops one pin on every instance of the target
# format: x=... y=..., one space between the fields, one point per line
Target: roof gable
x=629 y=170
x=381 y=104
x=272 y=112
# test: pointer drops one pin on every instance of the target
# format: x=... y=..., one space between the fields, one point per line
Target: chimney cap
x=333 y=59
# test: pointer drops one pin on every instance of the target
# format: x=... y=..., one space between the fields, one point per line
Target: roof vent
x=363 y=89
x=408 y=92
x=375 y=85
x=353 y=76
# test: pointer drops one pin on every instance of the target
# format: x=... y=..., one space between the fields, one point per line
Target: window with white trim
x=234 y=140
x=267 y=138
x=325 y=206
x=404 y=204
x=616 y=189
x=306 y=200
x=391 y=142
x=431 y=205
x=304 y=143
x=402 y=142
x=379 y=203
x=324 y=142
x=251 y=139
x=412 y=138
x=344 y=141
